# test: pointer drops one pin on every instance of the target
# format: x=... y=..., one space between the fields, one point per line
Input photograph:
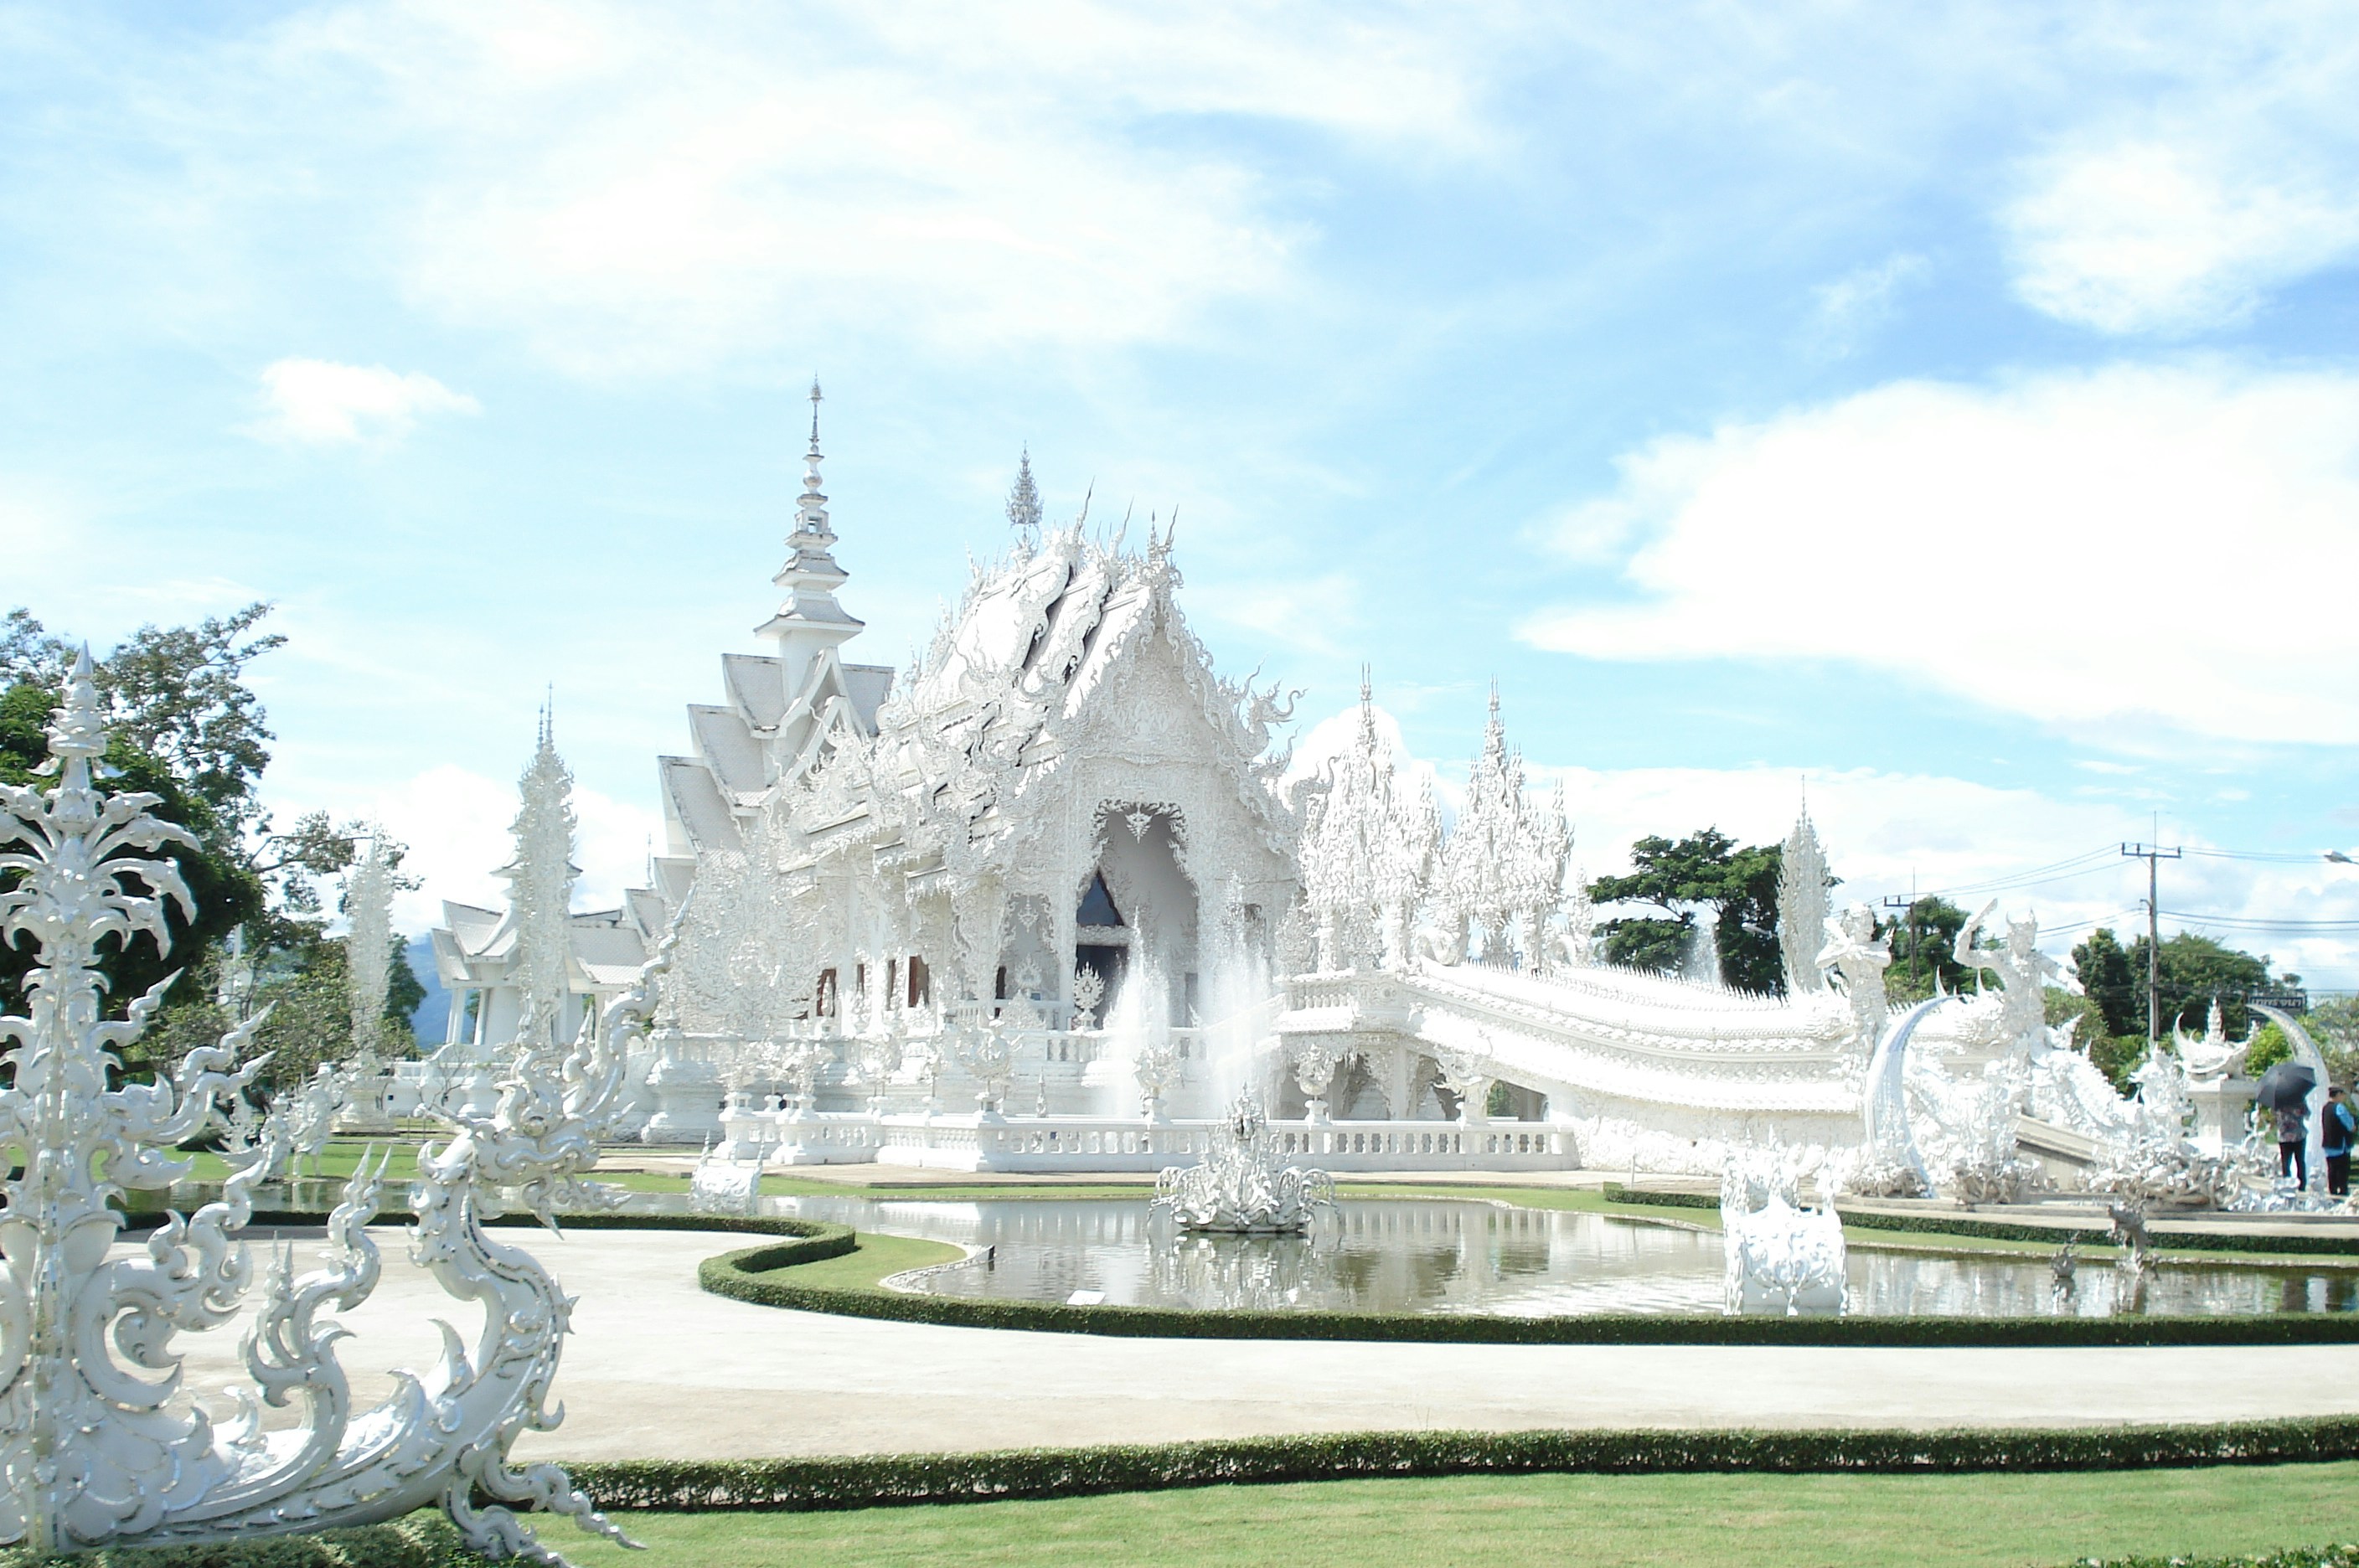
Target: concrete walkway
x=659 y=1369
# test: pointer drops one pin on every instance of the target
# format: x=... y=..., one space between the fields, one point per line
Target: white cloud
x=319 y=402
x=1845 y=312
x=658 y=190
x=2150 y=236
x=1307 y=614
x=1981 y=539
x=455 y=824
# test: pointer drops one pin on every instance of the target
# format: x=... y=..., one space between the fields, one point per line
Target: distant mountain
x=432 y=1018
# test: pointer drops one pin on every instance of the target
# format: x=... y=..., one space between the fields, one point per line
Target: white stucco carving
x=99 y=1443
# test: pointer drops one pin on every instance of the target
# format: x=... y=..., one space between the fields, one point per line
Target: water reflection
x=1444 y=1256
x=1437 y=1255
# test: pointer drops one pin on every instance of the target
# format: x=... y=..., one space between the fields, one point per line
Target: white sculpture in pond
x=1239 y=1186
x=99 y=1442
x=1780 y=1255
x=729 y=1186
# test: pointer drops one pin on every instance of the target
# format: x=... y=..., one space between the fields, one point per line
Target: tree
x=226 y=891
x=2335 y=1025
x=1924 y=943
x=2116 y=1055
x=2109 y=981
x=183 y=725
x=1705 y=868
x=2195 y=969
x=175 y=693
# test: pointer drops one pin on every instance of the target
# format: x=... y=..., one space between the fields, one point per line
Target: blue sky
x=1955 y=406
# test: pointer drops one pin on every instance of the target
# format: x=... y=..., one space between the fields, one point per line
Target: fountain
x=1699 y=957
x=1240 y=1188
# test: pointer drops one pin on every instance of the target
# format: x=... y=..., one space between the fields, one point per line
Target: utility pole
x=1894 y=901
x=2152 y=856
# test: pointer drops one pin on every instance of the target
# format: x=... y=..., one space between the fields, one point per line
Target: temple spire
x=1023 y=500
x=1802 y=884
x=810 y=507
x=809 y=622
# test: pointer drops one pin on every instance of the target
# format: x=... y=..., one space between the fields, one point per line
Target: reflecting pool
x=1453 y=1256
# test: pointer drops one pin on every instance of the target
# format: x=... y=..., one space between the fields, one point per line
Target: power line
x=2153 y=856
x=2280 y=858
x=2263 y=922
x=2057 y=871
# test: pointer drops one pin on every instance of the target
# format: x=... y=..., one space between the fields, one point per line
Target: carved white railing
x=100 y=1442
x=1083 y=1143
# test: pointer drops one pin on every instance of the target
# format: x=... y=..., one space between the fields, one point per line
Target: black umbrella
x=2287 y=1086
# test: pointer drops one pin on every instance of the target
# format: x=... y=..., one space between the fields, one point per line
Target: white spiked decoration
x=368 y=950
x=540 y=890
x=1802 y=905
x=100 y=1444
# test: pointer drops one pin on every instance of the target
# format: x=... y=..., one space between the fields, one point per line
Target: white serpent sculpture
x=100 y=1442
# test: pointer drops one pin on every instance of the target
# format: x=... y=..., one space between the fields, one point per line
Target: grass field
x=1719 y=1521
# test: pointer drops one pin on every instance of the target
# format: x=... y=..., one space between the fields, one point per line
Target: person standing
x=2338 y=1130
x=2293 y=1144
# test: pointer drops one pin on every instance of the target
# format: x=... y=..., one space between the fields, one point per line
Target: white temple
x=1049 y=900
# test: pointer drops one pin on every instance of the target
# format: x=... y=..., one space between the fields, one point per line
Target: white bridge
x=1607 y=1068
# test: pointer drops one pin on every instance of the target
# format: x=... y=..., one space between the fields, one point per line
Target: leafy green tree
x=225 y=888
x=1924 y=939
x=2194 y=970
x=174 y=694
x=2334 y=1025
x=184 y=725
x=1706 y=868
x=2109 y=981
x=2114 y=1055
x=2270 y=1047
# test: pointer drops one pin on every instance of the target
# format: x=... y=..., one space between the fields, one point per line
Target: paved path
x=659 y=1369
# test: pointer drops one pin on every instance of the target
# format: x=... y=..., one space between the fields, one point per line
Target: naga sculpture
x=100 y=1444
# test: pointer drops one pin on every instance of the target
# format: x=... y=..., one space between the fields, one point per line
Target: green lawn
x=1806 y=1521
x=875 y=1256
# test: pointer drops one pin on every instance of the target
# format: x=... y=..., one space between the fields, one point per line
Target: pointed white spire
x=1024 y=501
x=1802 y=904
x=811 y=507
x=809 y=622
x=540 y=884
x=368 y=945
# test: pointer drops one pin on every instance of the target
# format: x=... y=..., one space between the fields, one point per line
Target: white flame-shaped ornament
x=100 y=1444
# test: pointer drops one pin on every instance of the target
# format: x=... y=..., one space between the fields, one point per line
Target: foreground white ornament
x=99 y=1444
x=1780 y=1255
x=1239 y=1186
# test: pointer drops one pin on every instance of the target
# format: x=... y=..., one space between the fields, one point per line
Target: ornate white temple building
x=1051 y=898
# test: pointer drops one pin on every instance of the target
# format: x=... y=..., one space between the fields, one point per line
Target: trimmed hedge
x=2001 y=1230
x=2344 y=1556
x=740 y=1225
x=749 y=1275
x=903 y=1479
x=421 y=1540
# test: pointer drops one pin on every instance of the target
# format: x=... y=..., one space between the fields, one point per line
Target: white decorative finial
x=810 y=507
x=1024 y=499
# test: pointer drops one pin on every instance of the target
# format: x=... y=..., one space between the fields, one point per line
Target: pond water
x=1446 y=1256
x=1440 y=1255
